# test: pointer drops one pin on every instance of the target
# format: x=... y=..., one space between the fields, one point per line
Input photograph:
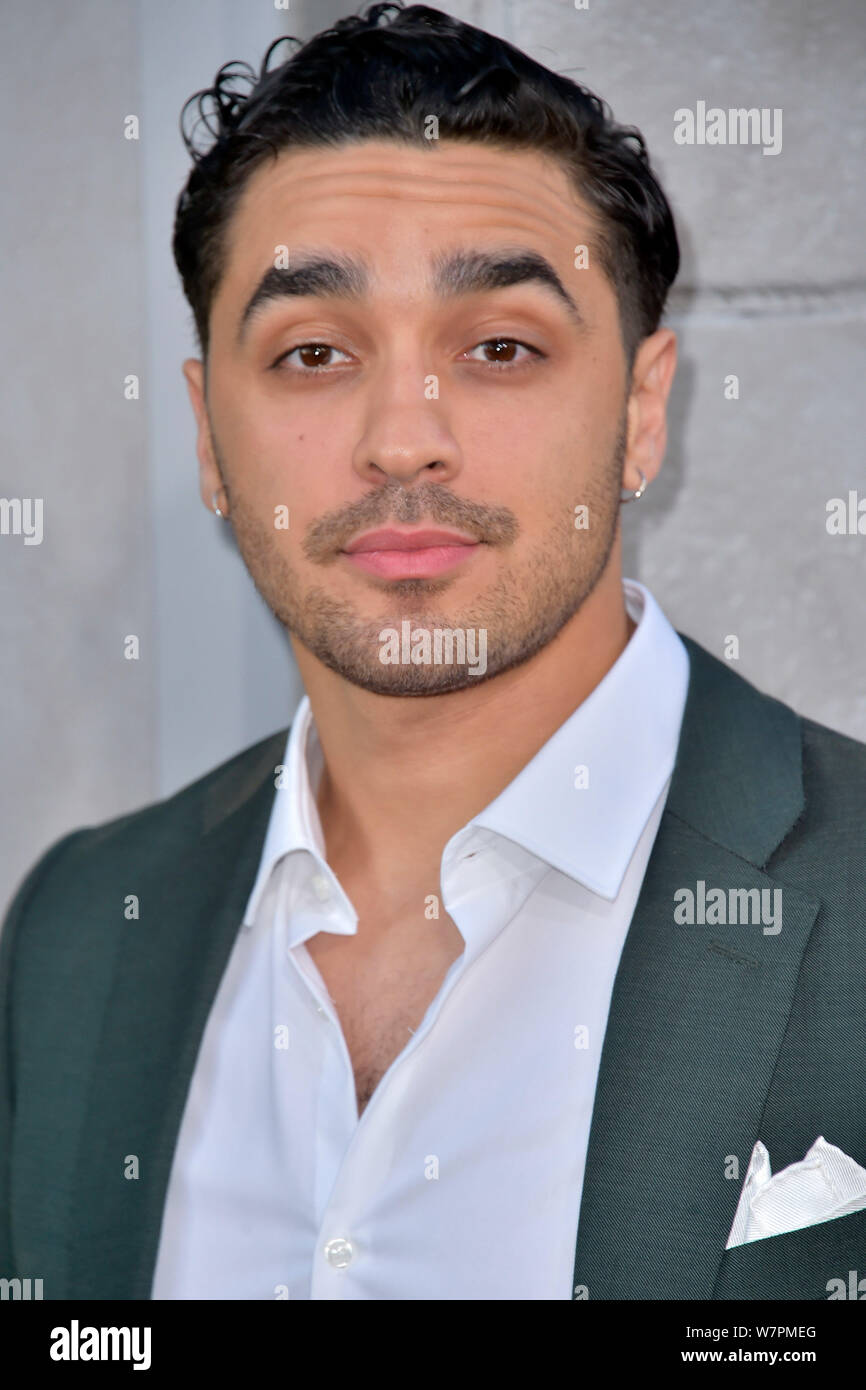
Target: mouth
x=393 y=554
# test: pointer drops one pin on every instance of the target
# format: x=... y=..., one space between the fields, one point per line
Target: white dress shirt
x=462 y=1179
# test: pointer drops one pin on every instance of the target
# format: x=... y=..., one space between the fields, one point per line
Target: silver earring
x=213 y=502
x=633 y=496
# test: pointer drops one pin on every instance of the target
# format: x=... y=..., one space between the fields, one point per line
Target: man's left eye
x=503 y=351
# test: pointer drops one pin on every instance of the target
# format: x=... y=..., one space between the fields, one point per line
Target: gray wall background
x=731 y=538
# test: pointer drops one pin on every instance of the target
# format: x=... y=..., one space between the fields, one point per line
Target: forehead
x=398 y=203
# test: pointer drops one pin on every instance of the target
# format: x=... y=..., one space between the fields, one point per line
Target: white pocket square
x=823 y=1185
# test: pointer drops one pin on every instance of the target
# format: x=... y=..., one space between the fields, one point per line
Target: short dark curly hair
x=380 y=75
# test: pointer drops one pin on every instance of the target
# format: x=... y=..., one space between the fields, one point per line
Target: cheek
x=533 y=459
x=568 y=469
x=268 y=454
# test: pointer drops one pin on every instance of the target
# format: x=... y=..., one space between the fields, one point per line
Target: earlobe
x=219 y=506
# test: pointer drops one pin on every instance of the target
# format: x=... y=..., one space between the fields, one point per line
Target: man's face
x=451 y=403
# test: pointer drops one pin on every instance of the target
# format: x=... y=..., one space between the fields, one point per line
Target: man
x=523 y=962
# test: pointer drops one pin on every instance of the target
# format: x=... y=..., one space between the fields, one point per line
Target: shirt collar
x=294 y=822
x=625 y=734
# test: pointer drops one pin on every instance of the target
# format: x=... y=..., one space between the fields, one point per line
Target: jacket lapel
x=698 y=1012
x=165 y=978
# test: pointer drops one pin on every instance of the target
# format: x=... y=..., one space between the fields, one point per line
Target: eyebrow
x=454 y=274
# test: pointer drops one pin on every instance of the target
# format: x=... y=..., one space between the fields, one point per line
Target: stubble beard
x=521 y=612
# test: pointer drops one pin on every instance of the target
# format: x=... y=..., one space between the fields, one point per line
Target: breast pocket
x=817 y=1262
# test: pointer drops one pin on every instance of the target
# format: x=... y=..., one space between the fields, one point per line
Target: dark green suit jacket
x=718 y=1035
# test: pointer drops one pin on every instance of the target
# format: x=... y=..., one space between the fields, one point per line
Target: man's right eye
x=312 y=355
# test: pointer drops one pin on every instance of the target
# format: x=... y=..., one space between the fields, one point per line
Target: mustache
x=429 y=502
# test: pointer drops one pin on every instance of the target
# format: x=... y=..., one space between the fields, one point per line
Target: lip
x=418 y=554
x=391 y=539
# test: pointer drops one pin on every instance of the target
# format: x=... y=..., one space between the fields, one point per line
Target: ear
x=652 y=375
x=210 y=480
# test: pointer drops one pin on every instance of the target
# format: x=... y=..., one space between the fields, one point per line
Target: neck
x=402 y=775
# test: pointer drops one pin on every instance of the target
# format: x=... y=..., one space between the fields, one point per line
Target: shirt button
x=339 y=1252
x=321 y=888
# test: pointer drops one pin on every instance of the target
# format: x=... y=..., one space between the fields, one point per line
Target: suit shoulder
x=831 y=743
x=214 y=794
x=158 y=830
x=834 y=773
x=739 y=696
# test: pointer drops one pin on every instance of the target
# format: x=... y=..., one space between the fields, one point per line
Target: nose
x=407 y=434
